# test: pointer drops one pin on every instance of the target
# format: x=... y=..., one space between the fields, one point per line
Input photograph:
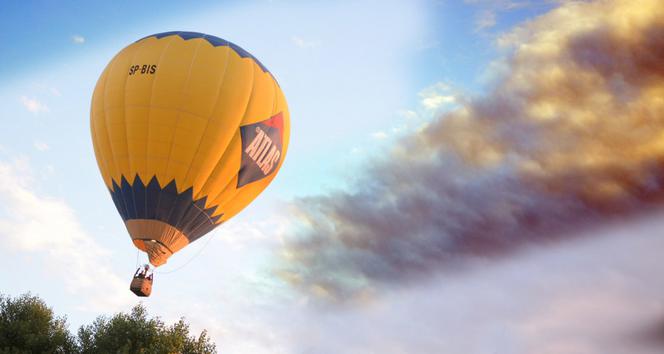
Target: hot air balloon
x=187 y=130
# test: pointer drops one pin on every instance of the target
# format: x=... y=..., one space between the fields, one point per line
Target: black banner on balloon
x=261 y=149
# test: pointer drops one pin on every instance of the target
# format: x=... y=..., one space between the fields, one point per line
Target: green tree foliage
x=27 y=325
x=137 y=333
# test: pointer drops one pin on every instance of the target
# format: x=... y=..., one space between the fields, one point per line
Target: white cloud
x=488 y=10
x=78 y=39
x=356 y=150
x=408 y=114
x=435 y=101
x=380 y=135
x=592 y=296
x=33 y=105
x=45 y=230
x=437 y=96
x=485 y=20
x=41 y=146
x=302 y=43
x=44 y=87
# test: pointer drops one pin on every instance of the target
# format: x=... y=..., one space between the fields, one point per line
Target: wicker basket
x=141 y=286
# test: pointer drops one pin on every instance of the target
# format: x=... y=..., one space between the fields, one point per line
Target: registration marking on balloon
x=261 y=149
x=143 y=69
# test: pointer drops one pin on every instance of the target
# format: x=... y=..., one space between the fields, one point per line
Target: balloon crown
x=214 y=41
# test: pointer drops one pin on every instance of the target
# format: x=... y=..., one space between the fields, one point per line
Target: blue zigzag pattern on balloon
x=151 y=201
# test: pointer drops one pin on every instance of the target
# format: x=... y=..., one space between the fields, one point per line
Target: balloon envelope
x=187 y=129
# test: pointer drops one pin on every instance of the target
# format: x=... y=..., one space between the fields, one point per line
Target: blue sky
x=52 y=69
x=358 y=75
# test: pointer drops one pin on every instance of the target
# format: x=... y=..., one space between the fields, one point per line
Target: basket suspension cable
x=198 y=253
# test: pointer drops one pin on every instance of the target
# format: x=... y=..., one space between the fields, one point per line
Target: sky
x=479 y=176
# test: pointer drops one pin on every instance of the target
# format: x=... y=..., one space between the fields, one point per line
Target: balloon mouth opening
x=156 y=238
x=157 y=252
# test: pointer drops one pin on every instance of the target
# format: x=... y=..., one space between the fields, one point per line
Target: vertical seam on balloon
x=231 y=176
x=124 y=118
x=95 y=137
x=179 y=114
x=210 y=116
x=193 y=198
x=108 y=131
x=194 y=230
x=220 y=205
x=274 y=105
x=278 y=93
x=147 y=145
x=200 y=142
x=221 y=158
x=246 y=108
x=115 y=162
x=186 y=84
x=274 y=96
x=251 y=93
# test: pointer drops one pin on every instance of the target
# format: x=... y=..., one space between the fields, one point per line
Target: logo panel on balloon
x=261 y=149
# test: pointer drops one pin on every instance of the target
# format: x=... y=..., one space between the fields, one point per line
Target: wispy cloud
x=437 y=96
x=41 y=146
x=488 y=11
x=500 y=4
x=78 y=39
x=45 y=88
x=33 y=105
x=570 y=136
x=45 y=228
x=303 y=43
x=408 y=114
x=485 y=20
x=380 y=135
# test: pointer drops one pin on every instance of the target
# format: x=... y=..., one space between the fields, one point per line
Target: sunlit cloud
x=437 y=96
x=570 y=137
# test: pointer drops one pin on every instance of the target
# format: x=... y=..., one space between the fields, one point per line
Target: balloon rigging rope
x=190 y=259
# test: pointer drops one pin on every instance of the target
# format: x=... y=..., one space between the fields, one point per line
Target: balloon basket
x=141 y=286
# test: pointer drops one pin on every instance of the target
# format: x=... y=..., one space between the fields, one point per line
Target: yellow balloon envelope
x=187 y=129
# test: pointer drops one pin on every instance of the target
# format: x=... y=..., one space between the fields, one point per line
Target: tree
x=136 y=333
x=27 y=325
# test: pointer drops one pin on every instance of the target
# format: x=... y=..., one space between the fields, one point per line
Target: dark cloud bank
x=570 y=137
